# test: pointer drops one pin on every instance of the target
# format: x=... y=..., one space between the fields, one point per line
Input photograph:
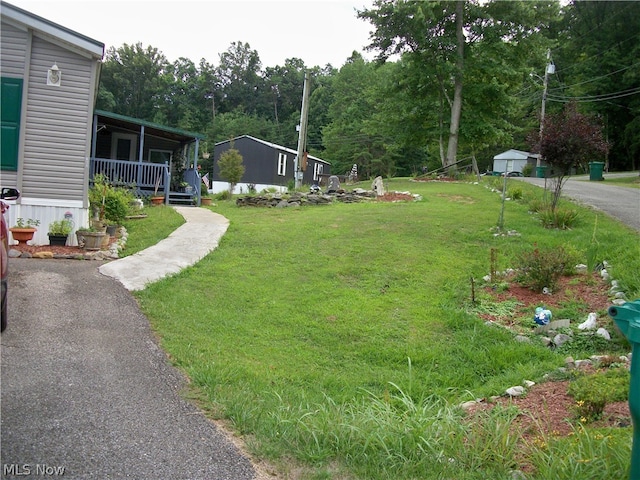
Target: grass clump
x=561 y=218
x=596 y=454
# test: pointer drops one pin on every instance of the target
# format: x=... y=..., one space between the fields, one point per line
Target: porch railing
x=145 y=178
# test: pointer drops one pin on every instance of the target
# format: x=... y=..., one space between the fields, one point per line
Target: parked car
x=513 y=174
x=5 y=194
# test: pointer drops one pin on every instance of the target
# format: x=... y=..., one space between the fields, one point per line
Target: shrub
x=109 y=202
x=562 y=218
x=515 y=193
x=593 y=392
x=224 y=195
x=117 y=204
x=541 y=268
x=527 y=170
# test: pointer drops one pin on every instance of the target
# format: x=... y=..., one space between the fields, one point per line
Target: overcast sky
x=317 y=31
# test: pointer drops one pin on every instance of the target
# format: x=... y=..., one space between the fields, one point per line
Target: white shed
x=512 y=161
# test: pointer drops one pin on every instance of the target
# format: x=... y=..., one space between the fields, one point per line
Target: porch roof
x=150 y=128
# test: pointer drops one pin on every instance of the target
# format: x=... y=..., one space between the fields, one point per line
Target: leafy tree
x=134 y=81
x=346 y=138
x=570 y=140
x=449 y=47
x=597 y=62
x=240 y=80
x=231 y=168
x=234 y=124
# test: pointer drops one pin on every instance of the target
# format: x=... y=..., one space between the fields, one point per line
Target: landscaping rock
x=561 y=339
x=554 y=325
x=583 y=363
x=603 y=333
x=515 y=391
x=570 y=363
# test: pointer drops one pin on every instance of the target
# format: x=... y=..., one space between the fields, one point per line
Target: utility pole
x=549 y=68
x=302 y=131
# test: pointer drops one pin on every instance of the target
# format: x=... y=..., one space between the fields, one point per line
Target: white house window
x=317 y=170
x=282 y=164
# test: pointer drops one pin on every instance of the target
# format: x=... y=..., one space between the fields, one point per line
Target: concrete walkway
x=192 y=241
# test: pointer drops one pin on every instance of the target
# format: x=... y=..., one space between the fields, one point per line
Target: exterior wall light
x=54 y=76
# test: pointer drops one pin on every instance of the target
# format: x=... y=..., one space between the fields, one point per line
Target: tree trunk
x=456 y=109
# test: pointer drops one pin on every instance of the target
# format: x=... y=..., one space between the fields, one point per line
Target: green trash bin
x=627 y=318
x=595 y=170
x=541 y=171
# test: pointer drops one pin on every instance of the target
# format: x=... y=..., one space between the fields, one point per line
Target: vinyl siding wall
x=57 y=121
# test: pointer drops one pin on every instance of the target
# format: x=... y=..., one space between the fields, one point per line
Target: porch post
x=94 y=142
x=140 y=155
x=195 y=167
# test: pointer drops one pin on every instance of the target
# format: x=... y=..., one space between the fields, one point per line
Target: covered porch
x=152 y=159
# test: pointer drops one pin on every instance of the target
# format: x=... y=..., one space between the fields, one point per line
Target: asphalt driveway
x=86 y=389
x=622 y=203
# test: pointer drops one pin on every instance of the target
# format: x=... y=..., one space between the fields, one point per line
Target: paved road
x=619 y=202
x=86 y=388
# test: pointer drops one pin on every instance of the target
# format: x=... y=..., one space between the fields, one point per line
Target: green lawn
x=338 y=339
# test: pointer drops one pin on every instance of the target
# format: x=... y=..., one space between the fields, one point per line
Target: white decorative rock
x=589 y=323
x=515 y=391
x=603 y=333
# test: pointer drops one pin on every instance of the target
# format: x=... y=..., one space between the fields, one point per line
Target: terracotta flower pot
x=22 y=235
x=157 y=200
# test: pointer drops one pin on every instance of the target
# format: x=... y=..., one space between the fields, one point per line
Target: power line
x=595 y=98
x=596 y=78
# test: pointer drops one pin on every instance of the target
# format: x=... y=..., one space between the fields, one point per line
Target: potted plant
x=24 y=230
x=59 y=231
x=157 y=199
x=97 y=199
x=90 y=238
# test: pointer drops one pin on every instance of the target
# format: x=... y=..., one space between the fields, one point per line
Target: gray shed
x=513 y=161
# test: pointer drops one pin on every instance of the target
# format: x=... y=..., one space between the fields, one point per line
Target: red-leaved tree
x=570 y=140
